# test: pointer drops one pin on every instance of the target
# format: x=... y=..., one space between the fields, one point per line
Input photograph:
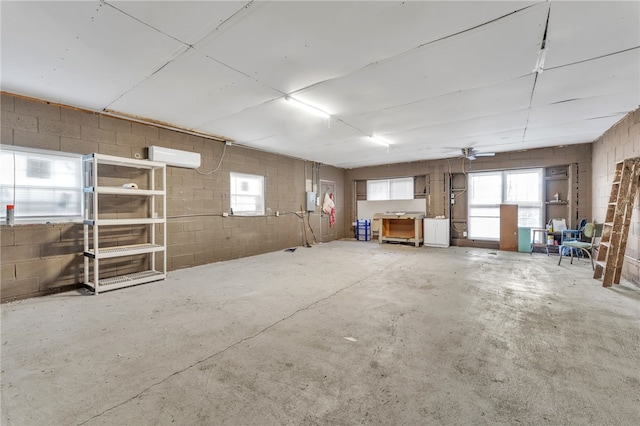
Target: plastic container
x=363 y=229
x=10 y=215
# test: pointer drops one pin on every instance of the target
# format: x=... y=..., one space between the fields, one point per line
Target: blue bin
x=363 y=230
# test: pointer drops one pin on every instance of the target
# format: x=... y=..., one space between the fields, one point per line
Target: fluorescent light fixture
x=310 y=109
x=379 y=140
x=542 y=54
x=174 y=157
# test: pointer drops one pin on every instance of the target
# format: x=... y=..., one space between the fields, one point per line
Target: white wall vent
x=174 y=157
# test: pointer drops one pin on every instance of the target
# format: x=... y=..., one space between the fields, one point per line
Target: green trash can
x=524 y=239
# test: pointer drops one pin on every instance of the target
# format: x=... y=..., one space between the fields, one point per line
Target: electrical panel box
x=311 y=201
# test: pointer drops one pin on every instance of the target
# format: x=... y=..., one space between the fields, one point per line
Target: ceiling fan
x=471 y=153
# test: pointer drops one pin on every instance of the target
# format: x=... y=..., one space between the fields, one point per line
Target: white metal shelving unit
x=155 y=220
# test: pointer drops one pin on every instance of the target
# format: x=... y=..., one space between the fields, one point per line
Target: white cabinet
x=124 y=221
x=436 y=232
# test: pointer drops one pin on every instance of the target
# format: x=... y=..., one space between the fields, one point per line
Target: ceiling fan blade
x=484 y=154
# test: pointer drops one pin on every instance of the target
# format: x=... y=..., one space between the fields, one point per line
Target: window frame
x=389 y=195
x=233 y=205
x=494 y=208
x=23 y=218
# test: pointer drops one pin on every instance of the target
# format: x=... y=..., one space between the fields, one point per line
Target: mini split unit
x=174 y=157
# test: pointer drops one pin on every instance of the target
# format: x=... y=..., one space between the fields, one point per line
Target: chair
x=572 y=235
x=593 y=232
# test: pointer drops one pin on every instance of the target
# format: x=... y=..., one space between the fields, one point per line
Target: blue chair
x=572 y=235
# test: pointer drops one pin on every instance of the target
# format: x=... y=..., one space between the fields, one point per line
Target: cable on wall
x=224 y=149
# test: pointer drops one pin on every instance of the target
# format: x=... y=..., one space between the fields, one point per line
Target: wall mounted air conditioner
x=174 y=157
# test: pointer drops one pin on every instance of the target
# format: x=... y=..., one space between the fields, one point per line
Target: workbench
x=400 y=228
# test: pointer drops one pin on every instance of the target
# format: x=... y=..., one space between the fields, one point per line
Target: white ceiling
x=429 y=77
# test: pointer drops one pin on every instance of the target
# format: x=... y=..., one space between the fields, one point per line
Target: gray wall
x=38 y=259
x=438 y=171
x=620 y=142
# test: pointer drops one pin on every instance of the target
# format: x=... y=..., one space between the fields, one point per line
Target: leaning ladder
x=615 y=231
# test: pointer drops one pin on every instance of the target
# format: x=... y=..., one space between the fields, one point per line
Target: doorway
x=327 y=233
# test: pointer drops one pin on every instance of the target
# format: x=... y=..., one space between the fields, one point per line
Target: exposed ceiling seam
x=436 y=97
x=543 y=45
x=390 y=58
x=144 y=23
x=413 y=49
x=246 y=6
x=595 y=58
x=107 y=107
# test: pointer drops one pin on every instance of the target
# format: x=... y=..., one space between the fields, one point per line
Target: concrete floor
x=341 y=333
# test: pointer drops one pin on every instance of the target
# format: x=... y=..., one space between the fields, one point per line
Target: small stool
x=539 y=235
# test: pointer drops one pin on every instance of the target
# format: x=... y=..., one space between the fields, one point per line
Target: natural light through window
x=44 y=186
x=390 y=189
x=247 y=194
x=487 y=190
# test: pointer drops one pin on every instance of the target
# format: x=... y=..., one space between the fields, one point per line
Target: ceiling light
x=310 y=109
x=542 y=53
x=379 y=140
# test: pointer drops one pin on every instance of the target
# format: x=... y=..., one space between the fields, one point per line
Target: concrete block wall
x=38 y=259
x=620 y=142
x=438 y=172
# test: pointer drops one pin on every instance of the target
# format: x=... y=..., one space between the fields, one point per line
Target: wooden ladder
x=615 y=231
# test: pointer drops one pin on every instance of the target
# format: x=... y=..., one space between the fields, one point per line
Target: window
x=390 y=189
x=44 y=186
x=247 y=194
x=490 y=189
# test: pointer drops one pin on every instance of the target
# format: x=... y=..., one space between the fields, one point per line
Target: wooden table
x=401 y=228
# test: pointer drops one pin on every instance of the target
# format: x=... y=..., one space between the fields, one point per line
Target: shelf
x=119 y=251
x=556 y=203
x=556 y=177
x=151 y=245
x=122 y=281
x=110 y=222
x=117 y=190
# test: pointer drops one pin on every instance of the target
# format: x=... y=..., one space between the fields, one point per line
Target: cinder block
x=7 y=235
x=205 y=236
x=43 y=234
x=18 y=288
x=170 y=136
x=71 y=269
x=6 y=137
x=37 y=108
x=82 y=118
x=8 y=272
x=36 y=140
x=180 y=238
x=20 y=253
x=148 y=131
x=61 y=248
x=59 y=128
x=181 y=261
x=45 y=269
x=115 y=124
x=19 y=121
x=195 y=224
x=78 y=145
x=192 y=182
x=98 y=135
x=7 y=102
x=117 y=150
x=131 y=140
